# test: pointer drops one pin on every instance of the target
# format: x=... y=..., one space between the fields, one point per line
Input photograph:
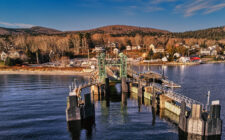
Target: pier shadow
x=76 y=127
x=186 y=136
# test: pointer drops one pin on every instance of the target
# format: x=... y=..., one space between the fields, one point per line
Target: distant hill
x=216 y=33
x=122 y=29
x=34 y=30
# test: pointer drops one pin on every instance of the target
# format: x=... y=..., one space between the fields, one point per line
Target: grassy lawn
x=2 y=64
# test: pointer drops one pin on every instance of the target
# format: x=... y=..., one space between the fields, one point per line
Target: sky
x=71 y=15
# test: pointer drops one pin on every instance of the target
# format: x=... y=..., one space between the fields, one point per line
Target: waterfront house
x=158 y=49
x=195 y=59
x=213 y=52
x=184 y=59
x=177 y=55
x=205 y=51
x=164 y=59
x=4 y=56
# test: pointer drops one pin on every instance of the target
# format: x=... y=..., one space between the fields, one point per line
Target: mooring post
x=107 y=91
x=195 y=123
x=88 y=109
x=124 y=85
x=182 y=118
x=153 y=98
x=140 y=91
x=124 y=99
x=153 y=116
x=214 y=123
x=72 y=111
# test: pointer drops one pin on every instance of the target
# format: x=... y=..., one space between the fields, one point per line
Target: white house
x=213 y=52
x=116 y=51
x=3 y=56
x=205 y=52
x=186 y=46
x=112 y=45
x=134 y=48
x=99 y=49
x=128 y=48
x=14 y=54
x=177 y=55
x=159 y=49
x=151 y=47
x=212 y=47
x=195 y=46
x=93 y=67
x=164 y=59
x=184 y=59
x=139 y=47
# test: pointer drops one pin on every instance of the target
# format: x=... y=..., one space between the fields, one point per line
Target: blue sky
x=172 y=15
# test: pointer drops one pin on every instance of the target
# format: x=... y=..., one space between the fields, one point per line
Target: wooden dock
x=190 y=115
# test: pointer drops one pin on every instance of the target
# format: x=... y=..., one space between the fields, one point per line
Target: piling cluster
x=79 y=107
x=200 y=122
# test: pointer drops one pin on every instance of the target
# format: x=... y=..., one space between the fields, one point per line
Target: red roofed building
x=195 y=58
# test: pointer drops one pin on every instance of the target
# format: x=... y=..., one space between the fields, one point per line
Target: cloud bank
x=193 y=7
x=18 y=25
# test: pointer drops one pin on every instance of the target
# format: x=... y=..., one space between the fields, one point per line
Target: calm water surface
x=33 y=106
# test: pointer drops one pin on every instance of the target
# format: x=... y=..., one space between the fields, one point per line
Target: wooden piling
x=124 y=99
x=124 y=85
x=182 y=118
x=195 y=124
x=72 y=110
x=107 y=91
x=214 y=123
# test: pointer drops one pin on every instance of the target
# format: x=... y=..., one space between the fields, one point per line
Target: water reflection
x=153 y=116
x=185 y=136
x=76 y=127
x=33 y=107
x=124 y=99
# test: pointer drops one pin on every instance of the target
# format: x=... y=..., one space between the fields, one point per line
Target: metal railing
x=176 y=96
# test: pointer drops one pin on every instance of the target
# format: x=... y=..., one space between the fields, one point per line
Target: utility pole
x=172 y=86
x=208 y=98
x=88 y=55
x=163 y=74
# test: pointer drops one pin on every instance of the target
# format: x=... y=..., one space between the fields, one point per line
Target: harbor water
x=33 y=106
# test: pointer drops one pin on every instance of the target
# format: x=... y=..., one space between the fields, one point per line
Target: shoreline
x=68 y=73
x=180 y=64
x=43 y=71
x=77 y=71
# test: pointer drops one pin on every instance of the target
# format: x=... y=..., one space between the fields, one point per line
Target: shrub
x=12 y=62
x=9 y=62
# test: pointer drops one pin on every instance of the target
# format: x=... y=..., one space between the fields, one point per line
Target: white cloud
x=161 y=1
x=18 y=25
x=215 y=8
x=192 y=7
